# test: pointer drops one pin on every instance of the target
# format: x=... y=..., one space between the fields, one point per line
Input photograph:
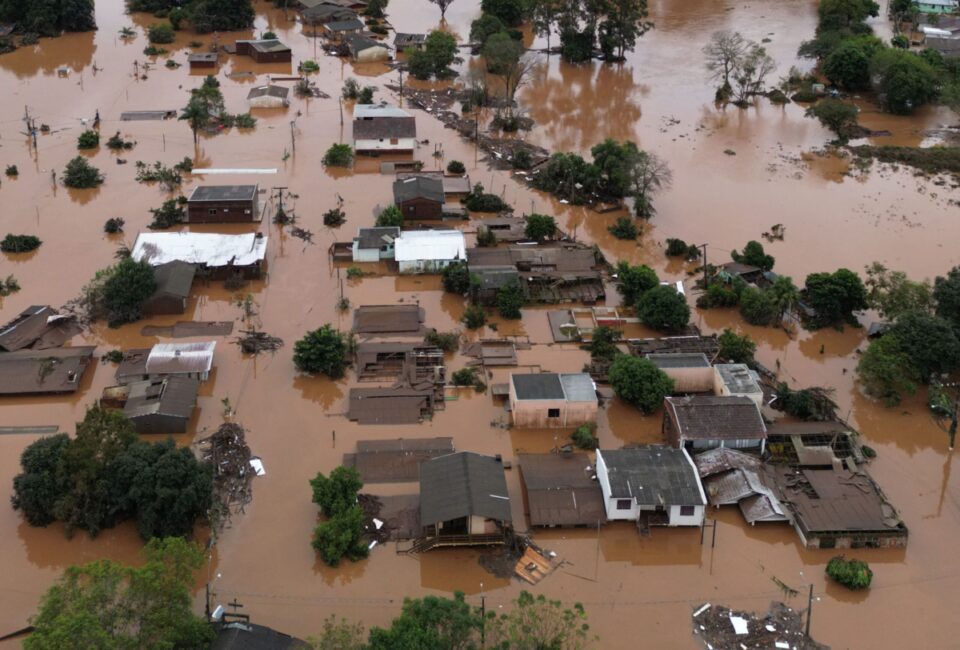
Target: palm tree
x=785 y=294
x=197 y=113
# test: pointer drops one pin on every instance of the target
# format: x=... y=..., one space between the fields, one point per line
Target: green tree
x=504 y=57
x=839 y=14
x=376 y=8
x=634 y=281
x=338 y=634
x=510 y=300
x=540 y=227
x=107 y=605
x=637 y=381
x=754 y=255
x=89 y=139
x=834 y=297
x=456 y=278
x=125 y=289
x=338 y=155
x=338 y=492
x=785 y=295
x=160 y=33
x=836 y=115
x=663 y=308
x=430 y=623
x=929 y=342
x=474 y=317
x=323 y=350
x=892 y=293
x=169 y=214
x=543 y=17
x=510 y=12
x=390 y=216
x=615 y=162
x=484 y=27
x=80 y=174
x=624 y=228
x=736 y=348
x=341 y=536
x=852 y=574
x=438 y=54
x=750 y=76
x=603 y=343
x=848 y=65
x=887 y=372
x=625 y=22
x=946 y=293
x=903 y=80
x=759 y=307
x=197 y=114
x=221 y=15
x=37 y=487
x=456 y=167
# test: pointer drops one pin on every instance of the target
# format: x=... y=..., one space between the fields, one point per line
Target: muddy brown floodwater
x=632 y=588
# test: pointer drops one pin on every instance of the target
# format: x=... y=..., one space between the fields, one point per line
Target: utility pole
x=809 y=610
x=340 y=103
x=400 y=70
x=293 y=137
x=705 y=278
x=483 y=618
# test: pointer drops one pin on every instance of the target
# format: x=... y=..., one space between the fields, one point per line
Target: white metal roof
x=165 y=358
x=211 y=249
x=415 y=245
x=366 y=111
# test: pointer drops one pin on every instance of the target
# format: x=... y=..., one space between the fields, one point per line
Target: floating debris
x=227 y=451
x=780 y=627
x=255 y=342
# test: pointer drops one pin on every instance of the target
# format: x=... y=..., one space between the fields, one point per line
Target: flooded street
x=660 y=98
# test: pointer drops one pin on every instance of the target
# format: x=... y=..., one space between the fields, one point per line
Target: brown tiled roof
x=375 y=128
x=705 y=417
x=560 y=490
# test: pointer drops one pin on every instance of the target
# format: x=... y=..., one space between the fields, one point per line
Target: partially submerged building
x=265 y=51
x=174 y=281
x=691 y=372
x=223 y=203
x=738 y=380
x=188 y=360
x=202 y=61
x=364 y=49
x=244 y=635
x=731 y=477
x=375 y=244
x=701 y=422
x=38 y=327
x=549 y=273
x=160 y=405
x=35 y=372
x=269 y=96
x=404 y=41
x=215 y=256
x=545 y=400
x=429 y=251
x=414 y=363
x=397 y=460
x=382 y=128
x=653 y=485
x=687 y=343
x=389 y=320
x=464 y=501
x=419 y=197
x=395 y=405
x=561 y=490
x=326 y=13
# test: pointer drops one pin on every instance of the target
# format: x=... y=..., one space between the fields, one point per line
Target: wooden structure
x=419 y=197
x=35 y=372
x=561 y=490
x=204 y=61
x=223 y=203
x=265 y=51
x=395 y=461
x=38 y=327
x=411 y=362
x=174 y=280
x=161 y=405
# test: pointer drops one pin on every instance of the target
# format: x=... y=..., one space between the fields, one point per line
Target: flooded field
x=633 y=588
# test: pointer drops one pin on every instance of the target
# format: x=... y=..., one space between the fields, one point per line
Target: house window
x=212 y=211
x=624 y=504
x=687 y=511
x=394 y=140
x=553 y=413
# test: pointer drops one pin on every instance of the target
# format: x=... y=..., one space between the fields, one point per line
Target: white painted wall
x=403 y=144
x=372 y=54
x=424 y=266
x=696 y=519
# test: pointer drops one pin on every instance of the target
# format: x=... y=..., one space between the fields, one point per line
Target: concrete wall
x=696 y=519
x=385 y=145
x=369 y=254
x=535 y=413
x=423 y=266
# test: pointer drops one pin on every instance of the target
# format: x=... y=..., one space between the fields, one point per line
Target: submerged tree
x=651 y=174
x=751 y=74
x=724 y=54
x=443 y=4
x=322 y=351
x=624 y=23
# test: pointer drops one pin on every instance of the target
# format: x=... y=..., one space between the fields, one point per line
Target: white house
x=652 y=485
x=429 y=251
x=268 y=97
x=383 y=128
x=375 y=244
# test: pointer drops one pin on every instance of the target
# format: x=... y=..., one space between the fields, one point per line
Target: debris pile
x=255 y=342
x=227 y=451
x=781 y=627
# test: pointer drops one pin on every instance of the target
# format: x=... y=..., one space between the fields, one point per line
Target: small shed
x=653 y=485
x=419 y=197
x=363 y=49
x=690 y=371
x=271 y=96
x=174 y=280
x=383 y=128
x=545 y=400
x=223 y=204
x=337 y=29
x=739 y=380
x=404 y=41
x=707 y=421
x=265 y=51
x=202 y=60
x=375 y=244
x=464 y=500
x=161 y=405
x=429 y=251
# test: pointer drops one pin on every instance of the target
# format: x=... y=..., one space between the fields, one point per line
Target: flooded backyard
x=632 y=587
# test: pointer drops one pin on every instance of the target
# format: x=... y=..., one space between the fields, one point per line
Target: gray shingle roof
x=345 y=25
x=537 y=386
x=462 y=485
x=174 y=396
x=653 y=475
x=376 y=237
x=418 y=187
x=174 y=279
x=386 y=127
x=703 y=417
x=679 y=360
x=224 y=192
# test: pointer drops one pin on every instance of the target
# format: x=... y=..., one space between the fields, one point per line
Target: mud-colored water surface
x=633 y=588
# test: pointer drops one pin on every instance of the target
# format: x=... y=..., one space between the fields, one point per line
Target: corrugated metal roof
x=653 y=475
x=170 y=358
x=268 y=91
x=679 y=360
x=703 y=417
x=173 y=396
x=463 y=485
x=211 y=249
x=578 y=387
x=415 y=245
x=366 y=111
x=419 y=187
x=376 y=237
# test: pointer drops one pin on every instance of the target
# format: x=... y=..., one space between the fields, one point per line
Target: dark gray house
x=463 y=501
x=419 y=197
x=161 y=405
x=223 y=204
x=174 y=280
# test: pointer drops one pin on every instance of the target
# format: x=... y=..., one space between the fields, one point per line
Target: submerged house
x=326 y=13
x=223 y=203
x=375 y=244
x=161 y=405
x=381 y=128
x=337 y=29
x=701 y=422
x=189 y=360
x=561 y=490
x=38 y=327
x=364 y=49
x=429 y=251
x=174 y=280
x=419 y=197
x=653 y=485
x=202 y=60
x=35 y=372
x=463 y=501
x=270 y=96
x=265 y=51
x=405 y=41
x=215 y=256
x=737 y=379
x=546 y=400
x=732 y=477
x=691 y=372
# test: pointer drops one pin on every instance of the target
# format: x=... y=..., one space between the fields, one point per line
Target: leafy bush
x=434 y=60
x=9 y=286
x=603 y=343
x=117 y=293
x=113 y=225
x=80 y=174
x=852 y=574
x=334 y=217
x=338 y=155
x=464 y=377
x=735 y=348
x=479 y=201
x=342 y=533
x=351 y=88
x=474 y=317
x=584 y=438
x=116 y=142
x=719 y=295
x=759 y=307
x=834 y=297
x=456 y=278
x=663 y=308
x=366 y=95
x=510 y=300
x=354 y=273
x=446 y=341
x=268 y=36
x=456 y=167
x=89 y=139
x=169 y=178
x=244 y=121
x=160 y=33
x=19 y=243
x=153 y=50
x=540 y=227
x=624 y=228
x=390 y=216
x=634 y=281
x=12 y=170
x=322 y=351
x=754 y=255
x=639 y=382
x=522 y=159
x=309 y=66
x=169 y=214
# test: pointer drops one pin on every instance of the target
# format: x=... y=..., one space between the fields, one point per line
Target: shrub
x=390 y=216
x=474 y=317
x=268 y=36
x=9 y=286
x=719 y=295
x=522 y=159
x=338 y=155
x=244 y=121
x=510 y=300
x=663 y=308
x=153 y=50
x=540 y=227
x=637 y=381
x=759 y=307
x=624 y=228
x=169 y=178
x=113 y=225
x=322 y=351
x=584 y=438
x=852 y=574
x=351 y=89
x=754 y=255
x=309 y=66
x=354 y=273
x=456 y=278
x=116 y=142
x=89 y=139
x=479 y=201
x=486 y=238
x=160 y=33
x=603 y=343
x=446 y=341
x=334 y=217
x=12 y=170
x=176 y=17
x=342 y=533
x=464 y=377
x=19 y=243
x=366 y=95
x=634 y=281
x=80 y=174
x=456 y=167
x=169 y=214
x=117 y=293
